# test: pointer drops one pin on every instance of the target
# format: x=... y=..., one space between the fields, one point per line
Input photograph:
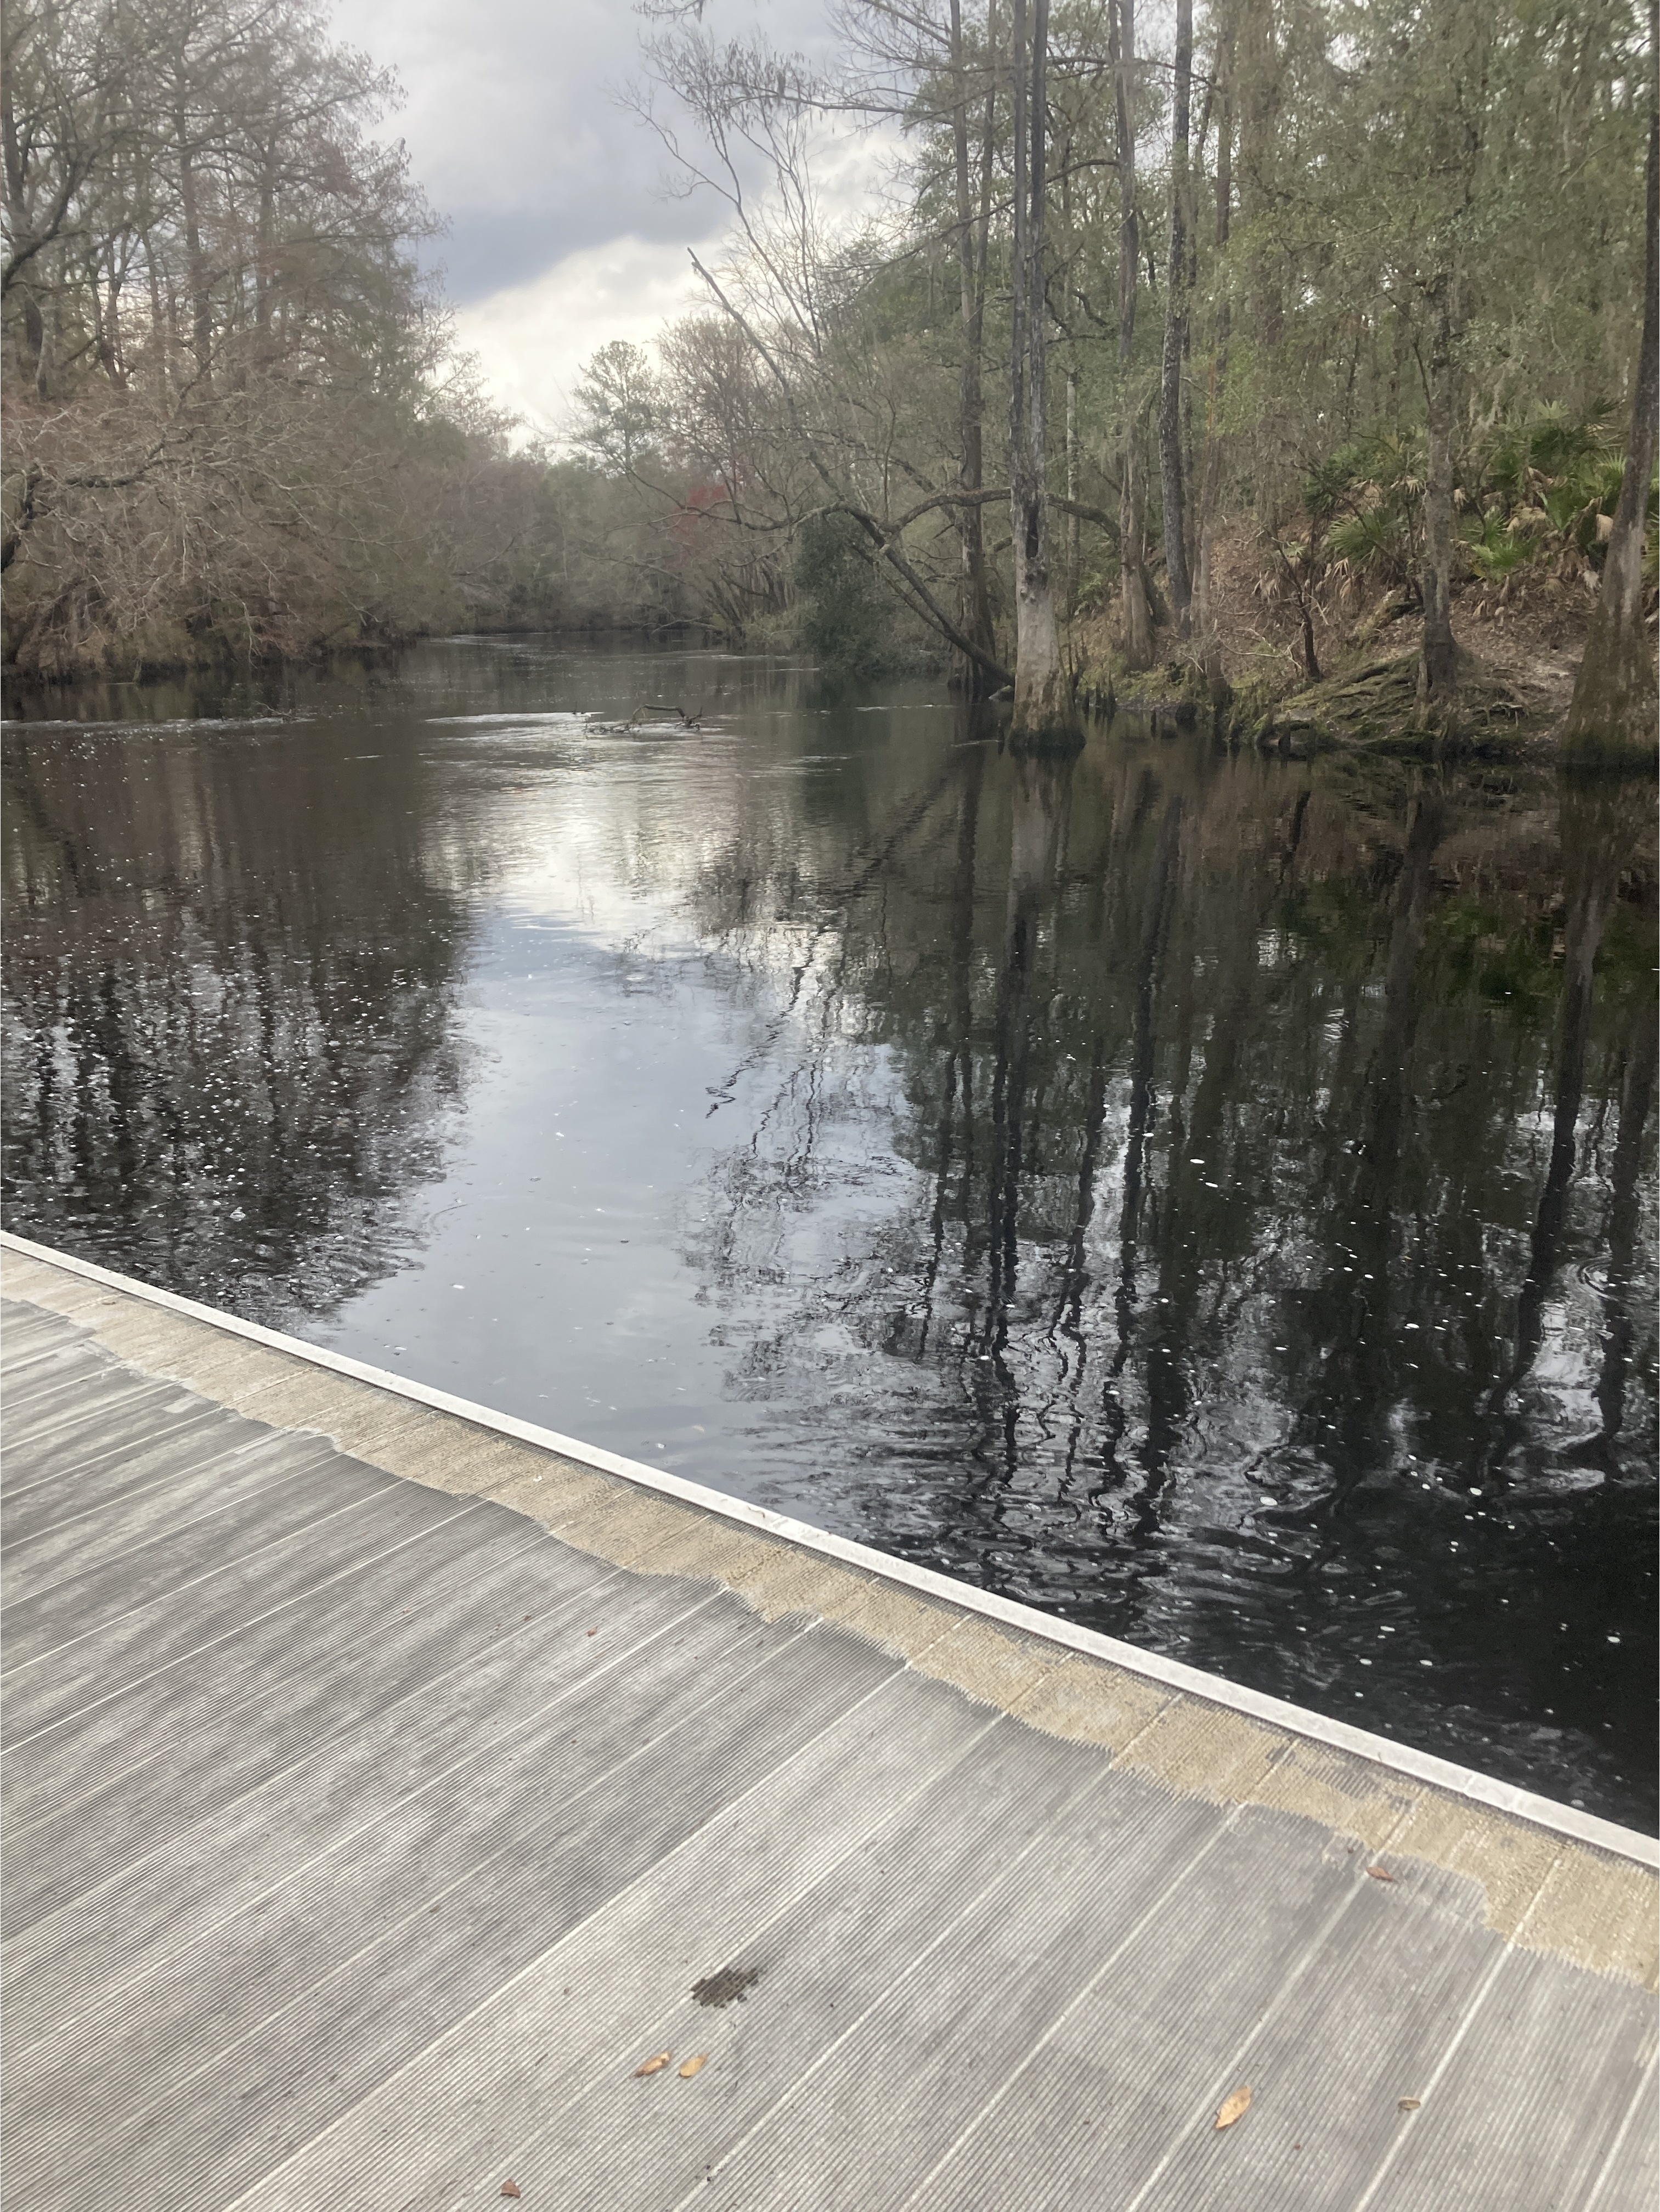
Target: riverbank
x=211 y=661
x=1520 y=655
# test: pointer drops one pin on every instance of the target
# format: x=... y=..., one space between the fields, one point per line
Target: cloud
x=513 y=131
x=516 y=132
x=562 y=234
x=531 y=339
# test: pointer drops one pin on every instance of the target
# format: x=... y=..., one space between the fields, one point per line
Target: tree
x=1136 y=615
x=1211 y=483
x=1415 y=280
x=1613 y=709
x=1178 y=277
x=232 y=420
x=1041 y=701
x=619 y=407
x=973 y=236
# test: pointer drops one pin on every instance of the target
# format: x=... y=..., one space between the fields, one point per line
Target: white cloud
x=561 y=235
x=516 y=131
x=532 y=339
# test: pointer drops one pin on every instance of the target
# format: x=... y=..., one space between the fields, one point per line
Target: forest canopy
x=232 y=417
x=1234 y=340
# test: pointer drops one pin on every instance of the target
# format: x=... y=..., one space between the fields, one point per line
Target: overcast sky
x=561 y=236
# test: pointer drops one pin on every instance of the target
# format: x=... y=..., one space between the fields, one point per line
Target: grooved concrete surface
x=364 y=1836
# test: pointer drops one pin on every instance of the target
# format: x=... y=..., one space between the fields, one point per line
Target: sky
x=562 y=234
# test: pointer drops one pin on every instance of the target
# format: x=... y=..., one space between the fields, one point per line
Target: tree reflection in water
x=1267 y=1288
x=230 y=986
x=1207 y=1195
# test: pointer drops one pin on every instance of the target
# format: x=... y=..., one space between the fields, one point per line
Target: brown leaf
x=1380 y=1873
x=510 y=2189
x=694 y=2065
x=1234 y=2107
x=1409 y=2103
x=652 y=2065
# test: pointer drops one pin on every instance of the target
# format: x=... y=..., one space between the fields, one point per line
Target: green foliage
x=618 y=409
x=1539 y=486
x=846 y=616
x=1494 y=550
x=1549 y=449
x=1544 y=486
x=1372 y=492
x=1393 y=172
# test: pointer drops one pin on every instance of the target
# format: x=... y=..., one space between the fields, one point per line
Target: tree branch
x=885 y=542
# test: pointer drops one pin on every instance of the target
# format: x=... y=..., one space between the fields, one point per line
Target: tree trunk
x=51 y=334
x=1612 y=711
x=975 y=597
x=1074 y=542
x=265 y=273
x=1132 y=517
x=161 y=320
x=32 y=352
x=1260 y=99
x=1175 y=331
x=1040 y=701
x=1438 y=662
x=1210 y=491
x=201 y=302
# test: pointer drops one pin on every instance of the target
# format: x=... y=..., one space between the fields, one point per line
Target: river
x=1206 y=1196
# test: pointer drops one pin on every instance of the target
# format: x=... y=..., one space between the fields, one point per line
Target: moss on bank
x=1369 y=705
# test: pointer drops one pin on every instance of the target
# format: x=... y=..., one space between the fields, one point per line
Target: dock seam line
x=1226 y=1821
x=1478 y=1998
x=157 y=1437
x=530 y=1966
x=343 y=1966
x=1210 y=2102
x=15 y=1830
x=211 y=1574
x=15 y=1544
x=523 y=2150
x=123 y=1989
x=277 y=1481
x=344 y=1574
x=315 y=1748
x=1642 y=2096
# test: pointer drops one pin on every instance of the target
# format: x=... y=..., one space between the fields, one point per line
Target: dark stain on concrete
x=730 y=1986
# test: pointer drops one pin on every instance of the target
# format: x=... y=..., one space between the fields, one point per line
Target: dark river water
x=1208 y=1197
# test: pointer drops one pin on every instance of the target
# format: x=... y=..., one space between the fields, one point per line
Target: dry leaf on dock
x=1234 y=2107
x=652 y=2065
x=694 y=2065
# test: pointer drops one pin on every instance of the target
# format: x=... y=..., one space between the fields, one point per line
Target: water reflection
x=231 y=984
x=1211 y=1197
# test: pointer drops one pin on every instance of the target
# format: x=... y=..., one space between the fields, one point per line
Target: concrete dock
x=389 y=1784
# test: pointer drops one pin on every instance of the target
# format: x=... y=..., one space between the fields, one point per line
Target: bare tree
x=1137 y=618
x=1178 y=277
x=1042 y=693
x=1613 y=709
x=1451 y=80
x=1211 y=483
x=973 y=231
x=224 y=380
